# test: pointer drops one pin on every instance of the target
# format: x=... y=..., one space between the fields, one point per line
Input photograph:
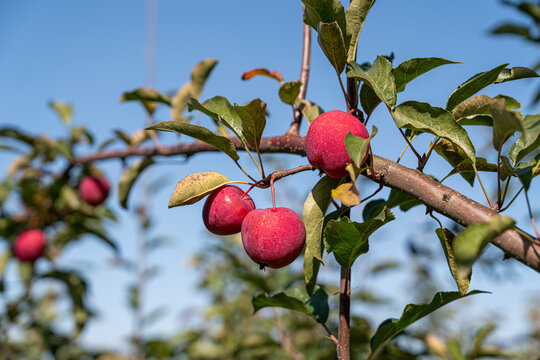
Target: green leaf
x=470 y=242
x=288 y=92
x=145 y=95
x=17 y=135
x=477 y=120
x=404 y=201
x=77 y=289
x=315 y=208
x=505 y=123
x=200 y=133
x=194 y=187
x=446 y=237
x=192 y=89
x=355 y=16
x=528 y=8
x=527 y=171
x=379 y=78
x=221 y=110
x=310 y=110
x=26 y=271
x=317 y=306
x=368 y=99
x=326 y=11
x=348 y=240
x=515 y=73
x=423 y=117
x=63 y=110
x=455 y=156
x=409 y=70
x=477 y=105
x=506 y=169
x=128 y=179
x=298 y=300
x=276 y=75
x=253 y=117
x=358 y=147
x=373 y=208
x=311 y=270
x=465 y=168
x=412 y=313
x=529 y=141
x=330 y=39
x=472 y=86
x=396 y=198
x=454 y=349
x=512 y=29
x=467 y=112
x=123 y=136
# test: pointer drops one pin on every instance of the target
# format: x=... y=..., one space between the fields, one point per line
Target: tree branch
x=440 y=198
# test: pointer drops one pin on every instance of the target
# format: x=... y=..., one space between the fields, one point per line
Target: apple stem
x=273 y=191
x=247 y=192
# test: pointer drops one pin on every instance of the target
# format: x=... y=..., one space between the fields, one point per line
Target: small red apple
x=29 y=245
x=325 y=141
x=94 y=189
x=273 y=237
x=225 y=209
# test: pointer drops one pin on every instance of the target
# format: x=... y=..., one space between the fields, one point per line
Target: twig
x=482 y=186
x=531 y=216
x=343 y=348
x=330 y=335
x=352 y=92
x=280 y=174
x=304 y=77
x=347 y=100
x=286 y=342
x=499 y=190
x=425 y=158
x=372 y=195
x=513 y=199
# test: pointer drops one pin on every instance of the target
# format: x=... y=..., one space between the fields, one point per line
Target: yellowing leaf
x=347 y=193
x=196 y=186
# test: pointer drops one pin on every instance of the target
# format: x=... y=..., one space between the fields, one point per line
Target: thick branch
x=455 y=206
x=287 y=144
x=435 y=196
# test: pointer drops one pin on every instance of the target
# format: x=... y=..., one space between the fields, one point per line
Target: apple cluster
x=271 y=237
x=30 y=244
x=275 y=237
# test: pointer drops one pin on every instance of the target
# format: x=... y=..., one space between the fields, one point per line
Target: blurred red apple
x=325 y=141
x=225 y=209
x=94 y=189
x=29 y=245
x=273 y=237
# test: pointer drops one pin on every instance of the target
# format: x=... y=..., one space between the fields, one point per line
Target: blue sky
x=89 y=53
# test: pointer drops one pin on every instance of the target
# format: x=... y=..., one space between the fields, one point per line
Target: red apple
x=273 y=237
x=94 y=189
x=325 y=141
x=225 y=209
x=29 y=245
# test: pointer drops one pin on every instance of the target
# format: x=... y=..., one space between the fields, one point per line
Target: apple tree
x=52 y=195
